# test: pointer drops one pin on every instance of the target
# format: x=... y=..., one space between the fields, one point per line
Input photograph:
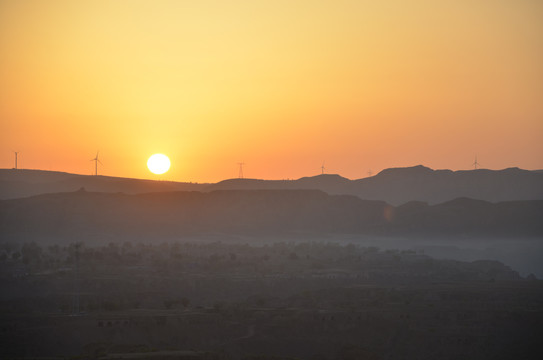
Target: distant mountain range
x=103 y=216
x=395 y=186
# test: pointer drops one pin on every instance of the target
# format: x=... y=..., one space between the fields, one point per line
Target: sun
x=158 y=164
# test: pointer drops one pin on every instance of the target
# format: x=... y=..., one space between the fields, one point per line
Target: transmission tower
x=240 y=173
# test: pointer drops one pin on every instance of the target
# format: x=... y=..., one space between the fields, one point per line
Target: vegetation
x=278 y=300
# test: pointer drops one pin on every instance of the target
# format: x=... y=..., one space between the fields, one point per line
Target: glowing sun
x=158 y=164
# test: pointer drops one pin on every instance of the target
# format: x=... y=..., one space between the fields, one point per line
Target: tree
x=31 y=252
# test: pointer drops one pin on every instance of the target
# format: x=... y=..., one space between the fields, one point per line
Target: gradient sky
x=279 y=85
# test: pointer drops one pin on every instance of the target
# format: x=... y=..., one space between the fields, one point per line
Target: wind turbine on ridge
x=96 y=161
x=322 y=168
x=475 y=163
x=16 y=153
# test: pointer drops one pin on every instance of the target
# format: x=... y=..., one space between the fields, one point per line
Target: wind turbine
x=322 y=168
x=16 y=153
x=475 y=163
x=96 y=161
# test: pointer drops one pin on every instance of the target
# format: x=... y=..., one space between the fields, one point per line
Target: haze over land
x=478 y=214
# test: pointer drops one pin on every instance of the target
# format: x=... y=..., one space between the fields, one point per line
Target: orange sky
x=279 y=85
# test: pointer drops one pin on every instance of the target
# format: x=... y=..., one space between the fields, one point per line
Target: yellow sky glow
x=279 y=85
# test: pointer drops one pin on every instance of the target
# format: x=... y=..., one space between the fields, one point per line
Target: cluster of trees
x=342 y=299
x=288 y=258
x=181 y=275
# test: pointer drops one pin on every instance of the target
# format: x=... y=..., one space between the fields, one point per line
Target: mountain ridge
x=83 y=214
x=394 y=185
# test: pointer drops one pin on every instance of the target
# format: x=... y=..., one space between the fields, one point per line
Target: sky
x=282 y=86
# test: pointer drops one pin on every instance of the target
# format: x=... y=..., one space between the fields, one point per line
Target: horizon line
x=261 y=179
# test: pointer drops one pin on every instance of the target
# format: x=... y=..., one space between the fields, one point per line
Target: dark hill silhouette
x=471 y=217
x=178 y=213
x=83 y=214
x=395 y=186
x=400 y=185
x=248 y=184
x=329 y=183
x=23 y=183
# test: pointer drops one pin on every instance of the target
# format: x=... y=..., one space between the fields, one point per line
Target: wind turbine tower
x=16 y=153
x=322 y=168
x=240 y=173
x=96 y=161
